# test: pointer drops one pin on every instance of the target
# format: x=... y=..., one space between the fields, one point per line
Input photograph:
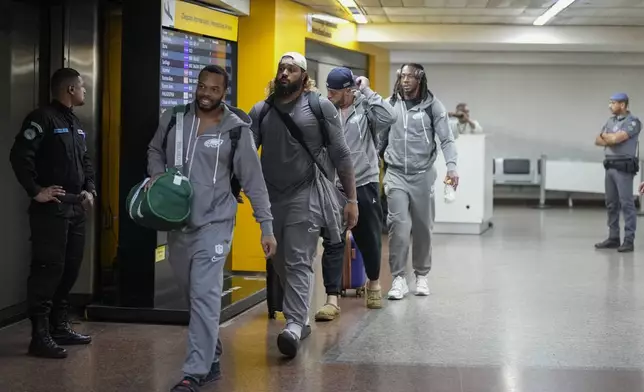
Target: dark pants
x=367 y=235
x=619 y=197
x=57 y=245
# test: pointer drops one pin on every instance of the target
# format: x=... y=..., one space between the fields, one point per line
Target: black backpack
x=235 y=134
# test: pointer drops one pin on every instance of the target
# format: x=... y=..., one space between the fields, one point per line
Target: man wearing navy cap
x=363 y=114
x=619 y=137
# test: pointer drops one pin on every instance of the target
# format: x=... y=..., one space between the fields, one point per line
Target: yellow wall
x=273 y=28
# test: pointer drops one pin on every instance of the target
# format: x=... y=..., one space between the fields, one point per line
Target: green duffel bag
x=165 y=206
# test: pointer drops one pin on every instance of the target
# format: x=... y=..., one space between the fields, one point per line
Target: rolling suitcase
x=274 y=291
x=354 y=276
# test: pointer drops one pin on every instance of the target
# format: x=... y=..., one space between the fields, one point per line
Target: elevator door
x=19 y=37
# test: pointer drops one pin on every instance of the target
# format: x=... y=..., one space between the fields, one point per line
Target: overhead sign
x=321 y=27
x=198 y=19
x=326 y=29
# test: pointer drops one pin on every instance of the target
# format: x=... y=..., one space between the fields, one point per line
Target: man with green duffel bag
x=193 y=158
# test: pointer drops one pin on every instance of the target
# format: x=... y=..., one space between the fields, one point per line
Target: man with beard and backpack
x=410 y=150
x=364 y=114
x=218 y=143
x=300 y=154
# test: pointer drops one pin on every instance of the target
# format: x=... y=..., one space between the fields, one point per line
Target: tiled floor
x=528 y=306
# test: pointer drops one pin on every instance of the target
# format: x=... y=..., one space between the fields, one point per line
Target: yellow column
x=273 y=28
x=256 y=66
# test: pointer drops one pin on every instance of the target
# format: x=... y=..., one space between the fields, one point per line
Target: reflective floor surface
x=528 y=306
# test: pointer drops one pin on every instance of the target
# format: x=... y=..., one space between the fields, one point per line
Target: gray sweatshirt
x=287 y=167
x=410 y=142
x=206 y=162
x=368 y=107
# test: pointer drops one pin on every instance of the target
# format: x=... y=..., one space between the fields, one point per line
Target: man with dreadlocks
x=303 y=146
x=409 y=149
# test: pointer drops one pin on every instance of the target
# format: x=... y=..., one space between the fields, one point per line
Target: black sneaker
x=288 y=344
x=611 y=243
x=213 y=375
x=626 y=247
x=188 y=384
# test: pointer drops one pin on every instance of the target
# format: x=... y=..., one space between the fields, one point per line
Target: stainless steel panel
x=19 y=38
x=81 y=49
x=335 y=56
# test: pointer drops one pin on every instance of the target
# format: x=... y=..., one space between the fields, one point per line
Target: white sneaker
x=399 y=288
x=422 y=288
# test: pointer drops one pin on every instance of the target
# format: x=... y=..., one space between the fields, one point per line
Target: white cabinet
x=471 y=212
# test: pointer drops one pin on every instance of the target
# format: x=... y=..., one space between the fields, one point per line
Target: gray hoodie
x=206 y=162
x=410 y=142
x=368 y=107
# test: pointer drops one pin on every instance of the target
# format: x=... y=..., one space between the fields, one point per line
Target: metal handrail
x=542 y=183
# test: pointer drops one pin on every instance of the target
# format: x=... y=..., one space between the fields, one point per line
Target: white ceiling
x=515 y=12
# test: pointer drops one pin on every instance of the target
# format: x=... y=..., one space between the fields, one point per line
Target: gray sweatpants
x=619 y=196
x=297 y=244
x=198 y=259
x=409 y=201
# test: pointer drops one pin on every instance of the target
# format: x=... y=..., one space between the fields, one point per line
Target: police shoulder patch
x=36 y=126
x=29 y=134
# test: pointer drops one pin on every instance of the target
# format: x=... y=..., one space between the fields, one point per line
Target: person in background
x=409 y=153
x=619 y=138
x=197 y=253
x=300 y=153
x=49 y=158
x=363 y=114
x=460 y=122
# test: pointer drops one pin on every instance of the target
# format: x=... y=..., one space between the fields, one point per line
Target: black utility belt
x=626 y=165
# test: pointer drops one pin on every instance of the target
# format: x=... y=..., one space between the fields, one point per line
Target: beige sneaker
x=328 y=312
x=374 y=299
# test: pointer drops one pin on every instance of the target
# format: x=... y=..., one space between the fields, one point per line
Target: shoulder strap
x=235 y=135
x=235 y=186
x=183 y=109
x=262 y=114
x=314 y=104
x=372 y=129
x=296 y=132
x=430 y=114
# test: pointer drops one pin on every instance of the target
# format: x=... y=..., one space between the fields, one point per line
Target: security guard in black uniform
x=50 y=160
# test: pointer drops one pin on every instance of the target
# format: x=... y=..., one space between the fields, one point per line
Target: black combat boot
x=42 y=345
x=626 y=247
x=61 y=329
x=611 y=243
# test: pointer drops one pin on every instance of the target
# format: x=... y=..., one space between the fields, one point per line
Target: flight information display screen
x=183 y=56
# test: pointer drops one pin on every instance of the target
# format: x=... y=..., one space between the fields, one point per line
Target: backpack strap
x=235 y=135
x=235 y=186
x=183 y=109
x=430 y=114
x=262 y=113
x=370 y=126
x=316 y=108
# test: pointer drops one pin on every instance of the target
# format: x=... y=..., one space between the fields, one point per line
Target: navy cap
x=619 y=97
x=340 y=78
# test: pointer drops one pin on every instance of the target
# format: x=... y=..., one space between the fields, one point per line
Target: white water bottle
x=449 y=192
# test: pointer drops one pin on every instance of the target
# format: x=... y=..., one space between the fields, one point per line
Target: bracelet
x=349 y=201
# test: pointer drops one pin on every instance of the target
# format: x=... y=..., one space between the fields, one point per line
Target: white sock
x=295 y=328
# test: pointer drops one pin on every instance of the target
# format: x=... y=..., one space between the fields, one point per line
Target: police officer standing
x=50 y=160
x=619 y=137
